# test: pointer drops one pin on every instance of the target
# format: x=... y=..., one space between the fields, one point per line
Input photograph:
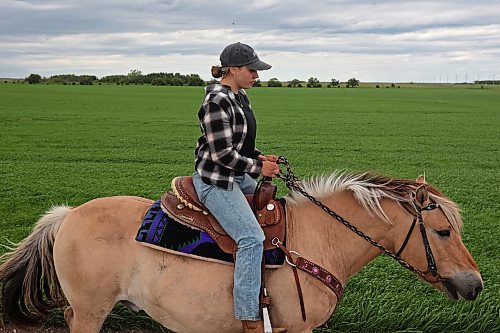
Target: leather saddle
x=183 y=205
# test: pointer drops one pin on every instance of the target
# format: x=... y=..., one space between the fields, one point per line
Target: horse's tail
x=30 y=288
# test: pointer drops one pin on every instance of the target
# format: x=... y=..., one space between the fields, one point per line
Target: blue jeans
x=234 y=214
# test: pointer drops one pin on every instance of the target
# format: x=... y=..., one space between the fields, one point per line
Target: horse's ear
x=421 y=195
x=421 y=179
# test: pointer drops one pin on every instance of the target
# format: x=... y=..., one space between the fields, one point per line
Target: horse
x=86 y=258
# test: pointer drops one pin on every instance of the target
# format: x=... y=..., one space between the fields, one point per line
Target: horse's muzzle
x=463 y=285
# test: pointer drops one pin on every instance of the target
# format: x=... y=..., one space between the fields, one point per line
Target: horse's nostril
x=473 y=294
x=478 y=289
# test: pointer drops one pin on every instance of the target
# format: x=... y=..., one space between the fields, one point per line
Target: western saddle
x=182 y=204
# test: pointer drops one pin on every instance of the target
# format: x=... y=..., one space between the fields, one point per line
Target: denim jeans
x=234 y=214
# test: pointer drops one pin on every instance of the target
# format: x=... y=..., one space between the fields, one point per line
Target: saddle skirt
x=183 y=205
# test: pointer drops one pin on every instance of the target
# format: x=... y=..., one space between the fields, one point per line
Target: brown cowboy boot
x=257 y=326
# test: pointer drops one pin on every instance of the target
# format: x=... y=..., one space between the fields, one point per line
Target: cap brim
x=259 y=66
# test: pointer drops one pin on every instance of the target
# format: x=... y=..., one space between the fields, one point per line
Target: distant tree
x=113 y=78
x=134 y=76
x=177 y=81
x=134 y=72
x=274 y=82
x=194 y=80
x=313 y=83
x=352 y=82
x=70 y=78
x=157 y=81
x=294 y=83
x=257 y=83
x=333 y=83
x=33 y=79
x=86 y=79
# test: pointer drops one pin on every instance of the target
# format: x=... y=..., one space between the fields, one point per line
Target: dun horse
x=87 y=257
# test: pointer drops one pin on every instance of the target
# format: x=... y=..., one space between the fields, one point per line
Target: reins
x=293 y=183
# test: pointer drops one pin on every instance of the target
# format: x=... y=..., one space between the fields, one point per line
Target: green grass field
x=70 y=144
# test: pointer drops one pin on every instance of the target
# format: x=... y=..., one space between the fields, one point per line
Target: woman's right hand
x=270 y=169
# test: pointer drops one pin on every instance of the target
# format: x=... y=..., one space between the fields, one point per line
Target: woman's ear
x=233 y=70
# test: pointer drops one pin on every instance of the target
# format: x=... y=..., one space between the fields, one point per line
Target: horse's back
x=103 y=222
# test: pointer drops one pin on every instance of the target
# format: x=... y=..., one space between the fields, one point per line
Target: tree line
x=133 y=77
x=312 y=82
x=173 y=79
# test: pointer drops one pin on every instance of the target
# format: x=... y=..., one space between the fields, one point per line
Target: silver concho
x=270 y=207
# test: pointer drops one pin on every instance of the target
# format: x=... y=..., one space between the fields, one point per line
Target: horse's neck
x=317 y=236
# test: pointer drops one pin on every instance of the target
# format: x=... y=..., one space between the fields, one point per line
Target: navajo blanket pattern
x=160 y=229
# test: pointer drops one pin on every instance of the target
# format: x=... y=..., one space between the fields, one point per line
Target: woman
x=226 y=164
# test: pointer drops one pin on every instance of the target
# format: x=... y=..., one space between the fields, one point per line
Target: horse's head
x=431 y=242
x=420 y=225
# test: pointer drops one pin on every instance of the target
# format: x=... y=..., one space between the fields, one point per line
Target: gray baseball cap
x=239 y=54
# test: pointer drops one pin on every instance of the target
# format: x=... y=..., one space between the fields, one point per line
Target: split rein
x=293 y=183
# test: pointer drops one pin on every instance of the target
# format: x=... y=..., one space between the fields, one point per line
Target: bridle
x=432 y=276
x=431 y=262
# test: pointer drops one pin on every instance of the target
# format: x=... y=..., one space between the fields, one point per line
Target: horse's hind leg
x=89 y=264
x=68 y=316
x=91 y=296
x=85 y=320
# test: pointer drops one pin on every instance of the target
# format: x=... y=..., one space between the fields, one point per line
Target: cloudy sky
x=390 y=40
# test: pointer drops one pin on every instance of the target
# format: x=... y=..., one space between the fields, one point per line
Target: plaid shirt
x=223 y=129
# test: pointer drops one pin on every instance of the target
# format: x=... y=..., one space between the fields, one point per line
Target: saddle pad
x=160 y=229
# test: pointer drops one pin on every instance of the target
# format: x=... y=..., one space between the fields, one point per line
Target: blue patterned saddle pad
x=160 y=229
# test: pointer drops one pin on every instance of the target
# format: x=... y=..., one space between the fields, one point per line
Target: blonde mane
x=369 y=189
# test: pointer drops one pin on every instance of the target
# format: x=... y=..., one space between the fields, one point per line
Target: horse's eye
x=443 y=233
x=431 y=206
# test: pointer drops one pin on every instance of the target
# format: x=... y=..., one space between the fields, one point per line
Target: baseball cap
x=239 y=54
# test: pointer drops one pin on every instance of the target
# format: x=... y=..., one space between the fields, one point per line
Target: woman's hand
x=269 y=169
x=270 y=158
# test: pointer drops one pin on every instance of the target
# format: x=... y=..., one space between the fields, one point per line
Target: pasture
x=70 y=144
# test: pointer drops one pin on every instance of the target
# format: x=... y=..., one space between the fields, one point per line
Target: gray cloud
x=375 y=40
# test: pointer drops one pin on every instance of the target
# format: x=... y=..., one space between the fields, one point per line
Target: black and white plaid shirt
x=223 y=129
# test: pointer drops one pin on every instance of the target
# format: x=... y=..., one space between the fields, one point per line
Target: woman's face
x=245 y=77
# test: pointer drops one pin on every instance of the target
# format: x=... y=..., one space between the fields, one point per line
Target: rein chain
x=293 y=183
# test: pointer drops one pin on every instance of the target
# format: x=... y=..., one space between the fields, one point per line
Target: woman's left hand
x=270 y=158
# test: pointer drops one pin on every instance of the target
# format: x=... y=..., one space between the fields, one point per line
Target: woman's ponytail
x=219 y=71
